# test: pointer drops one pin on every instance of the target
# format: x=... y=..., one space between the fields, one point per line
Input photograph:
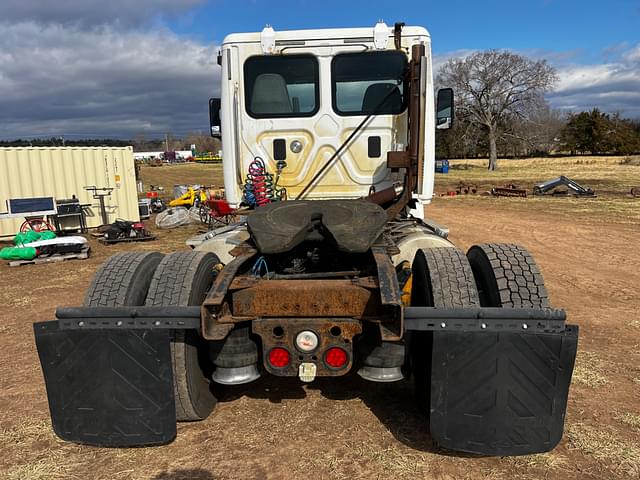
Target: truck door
x=299 y=108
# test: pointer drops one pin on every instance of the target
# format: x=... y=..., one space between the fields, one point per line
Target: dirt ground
x=348 y=428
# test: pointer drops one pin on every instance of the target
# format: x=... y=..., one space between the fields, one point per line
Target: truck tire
x=442 y=277
x=183 y=279
x=123 y=280
x=507 y=276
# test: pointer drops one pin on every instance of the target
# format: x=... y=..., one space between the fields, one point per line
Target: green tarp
x=31 y=236
x=18 y=253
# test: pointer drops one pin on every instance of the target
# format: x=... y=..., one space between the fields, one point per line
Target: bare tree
x=537 y=133
x=203 y=143
x=494 y=86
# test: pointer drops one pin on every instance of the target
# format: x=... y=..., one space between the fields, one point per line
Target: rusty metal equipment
x=509 y=190
x=466 y=188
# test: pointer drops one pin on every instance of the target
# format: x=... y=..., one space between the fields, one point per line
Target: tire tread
x=518 y=278
x=172 y=285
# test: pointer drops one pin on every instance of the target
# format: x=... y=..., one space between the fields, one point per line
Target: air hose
x=259 y=188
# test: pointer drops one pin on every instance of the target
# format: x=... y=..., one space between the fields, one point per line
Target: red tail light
x=279 y=357
x=336 y=357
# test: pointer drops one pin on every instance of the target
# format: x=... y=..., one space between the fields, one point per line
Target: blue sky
x=145 y=67
x=587 y=27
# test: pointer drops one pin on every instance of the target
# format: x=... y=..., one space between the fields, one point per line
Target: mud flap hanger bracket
x=485 y=319
x=125 y=318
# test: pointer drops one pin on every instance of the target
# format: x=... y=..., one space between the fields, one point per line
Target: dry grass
x=46 y=461
x=44 y=469
x=613 y=172
x=548 y=460
x=355 y=444
x=589 y=370
x=606 y=445
x=630 y=419
x=611 y=178
x=169 y=175
x=27 y=430
x=409 y=464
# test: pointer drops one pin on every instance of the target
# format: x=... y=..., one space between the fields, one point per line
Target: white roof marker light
x=268 y=40
x=381 y=35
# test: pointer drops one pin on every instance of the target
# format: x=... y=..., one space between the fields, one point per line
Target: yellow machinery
x=189 y=198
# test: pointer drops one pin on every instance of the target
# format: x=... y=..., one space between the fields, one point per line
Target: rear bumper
x=499 y=377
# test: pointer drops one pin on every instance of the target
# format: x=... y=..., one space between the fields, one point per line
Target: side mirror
x=444 y=109
x=214 y=117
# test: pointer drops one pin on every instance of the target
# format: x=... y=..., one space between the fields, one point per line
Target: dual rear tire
x=489 y=275
x=178 y=279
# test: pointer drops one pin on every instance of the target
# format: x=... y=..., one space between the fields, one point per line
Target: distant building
x=180 y=154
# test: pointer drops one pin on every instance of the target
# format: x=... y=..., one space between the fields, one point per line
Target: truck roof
x=366 y=34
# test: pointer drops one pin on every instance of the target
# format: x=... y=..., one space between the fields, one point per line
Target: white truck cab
x=292 y=98
x=344 y=276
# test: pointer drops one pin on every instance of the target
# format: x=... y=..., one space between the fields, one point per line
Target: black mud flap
x=108 y=388
x=500 y=393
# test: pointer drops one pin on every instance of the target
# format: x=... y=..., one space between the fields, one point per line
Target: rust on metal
x=225 y=278
x=466 y=188
x=397 y=160
x=217 y=330
x=213 y=303
x=366 y=282
x=412 y=159
x=331 y=332
x=390 y=295
x=387 y=278
x=242 y=249
x=384 y=196
x=306 y=298
x=509 y=190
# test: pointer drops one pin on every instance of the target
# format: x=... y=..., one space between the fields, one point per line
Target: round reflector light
x=336 y=357
x=307 y=341
x=279 y=357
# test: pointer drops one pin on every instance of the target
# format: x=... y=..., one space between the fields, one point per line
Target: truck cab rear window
x=281 y=86
x=364 y=82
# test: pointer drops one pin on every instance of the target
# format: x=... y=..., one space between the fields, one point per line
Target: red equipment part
x=37 y=225
x=216 y=211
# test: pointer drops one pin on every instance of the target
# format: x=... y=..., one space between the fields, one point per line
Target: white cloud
x=109 y=68
x=57 y=80
x=89 y=13
x=612 y=87
x=633 y=55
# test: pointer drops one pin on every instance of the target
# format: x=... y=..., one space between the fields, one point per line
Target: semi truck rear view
x=329 y=140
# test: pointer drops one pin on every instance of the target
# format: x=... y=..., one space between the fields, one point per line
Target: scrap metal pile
x=509 y=190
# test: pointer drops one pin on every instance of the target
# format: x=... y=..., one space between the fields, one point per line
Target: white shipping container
x=61 y=172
